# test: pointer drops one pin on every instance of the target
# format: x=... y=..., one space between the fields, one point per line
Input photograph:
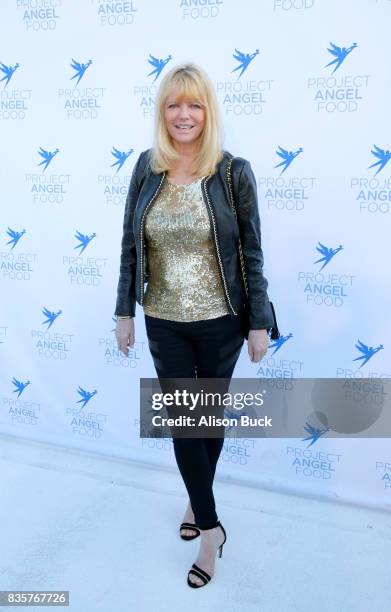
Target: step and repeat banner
x=304 y=90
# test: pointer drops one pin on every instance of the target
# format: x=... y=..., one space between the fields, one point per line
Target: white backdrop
x=283 y=101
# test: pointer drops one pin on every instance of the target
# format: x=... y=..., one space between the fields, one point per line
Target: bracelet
x=124 y=317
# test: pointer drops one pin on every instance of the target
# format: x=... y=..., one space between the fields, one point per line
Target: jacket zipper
x=210 y=207
x=142 y=238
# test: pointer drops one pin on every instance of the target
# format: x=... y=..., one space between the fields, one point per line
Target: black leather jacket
x=145 y=186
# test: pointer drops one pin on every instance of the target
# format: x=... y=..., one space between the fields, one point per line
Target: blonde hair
x=193 y=84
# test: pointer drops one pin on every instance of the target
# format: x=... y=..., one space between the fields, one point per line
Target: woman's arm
x=260 y=313
x=126 y=295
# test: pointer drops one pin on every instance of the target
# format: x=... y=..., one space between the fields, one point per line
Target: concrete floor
x=106 y=530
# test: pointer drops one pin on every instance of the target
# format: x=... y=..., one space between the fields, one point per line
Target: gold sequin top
x=184 y=282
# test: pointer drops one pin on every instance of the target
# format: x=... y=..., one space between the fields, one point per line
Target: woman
x=180 y=236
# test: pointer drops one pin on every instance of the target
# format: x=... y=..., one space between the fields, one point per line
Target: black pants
x=202 y=349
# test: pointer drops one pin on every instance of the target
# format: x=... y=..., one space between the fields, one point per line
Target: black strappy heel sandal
x=192 y=526
x=199 y=572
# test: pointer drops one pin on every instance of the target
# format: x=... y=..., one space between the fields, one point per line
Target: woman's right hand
x=124 y=332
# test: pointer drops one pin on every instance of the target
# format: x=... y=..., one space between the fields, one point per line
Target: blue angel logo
x=244 y=60
x=158 y=65
x=20 y=386
x=280 y=342
x=8 y=71
x=328 y=254
x=121 y=157
x=80 y=69
x=51 y=316
x=287 y=157
x=314 y=433
x=15 y=237
x=85 y=396
x=84 y=240
x=367 y=352
x=114 y=319
x=234 y=416
x=47 y=157
x=339 y=54
x=382 y=156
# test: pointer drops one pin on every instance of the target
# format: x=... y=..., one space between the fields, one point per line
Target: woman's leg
x=217 y=345
x=194 y=465
x=217 y=351
x=172 y=350
x=214 y=446
x=213 y=346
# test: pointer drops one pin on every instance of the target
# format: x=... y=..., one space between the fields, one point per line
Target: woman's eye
x=192 y=105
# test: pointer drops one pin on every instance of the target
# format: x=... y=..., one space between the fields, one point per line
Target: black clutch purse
x=273 y=332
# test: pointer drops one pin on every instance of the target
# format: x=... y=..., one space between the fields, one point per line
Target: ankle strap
x=209 y=526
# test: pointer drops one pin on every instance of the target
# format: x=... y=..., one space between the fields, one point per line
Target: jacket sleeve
x=126 y=292
x=260 y=312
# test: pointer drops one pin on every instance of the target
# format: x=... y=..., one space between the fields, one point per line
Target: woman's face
x=185 y=119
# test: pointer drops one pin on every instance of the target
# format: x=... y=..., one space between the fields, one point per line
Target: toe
x=194 y=579
x=188 y=532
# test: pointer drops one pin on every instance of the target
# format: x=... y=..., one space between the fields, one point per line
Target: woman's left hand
x=257 y=344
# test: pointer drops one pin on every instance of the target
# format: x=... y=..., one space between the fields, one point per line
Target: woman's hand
x=257 y=344
x=124 y=332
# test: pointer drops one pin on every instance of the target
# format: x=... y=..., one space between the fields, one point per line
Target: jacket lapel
x=147 y=191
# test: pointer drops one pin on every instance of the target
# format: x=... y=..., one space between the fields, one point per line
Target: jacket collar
x=154 y=180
